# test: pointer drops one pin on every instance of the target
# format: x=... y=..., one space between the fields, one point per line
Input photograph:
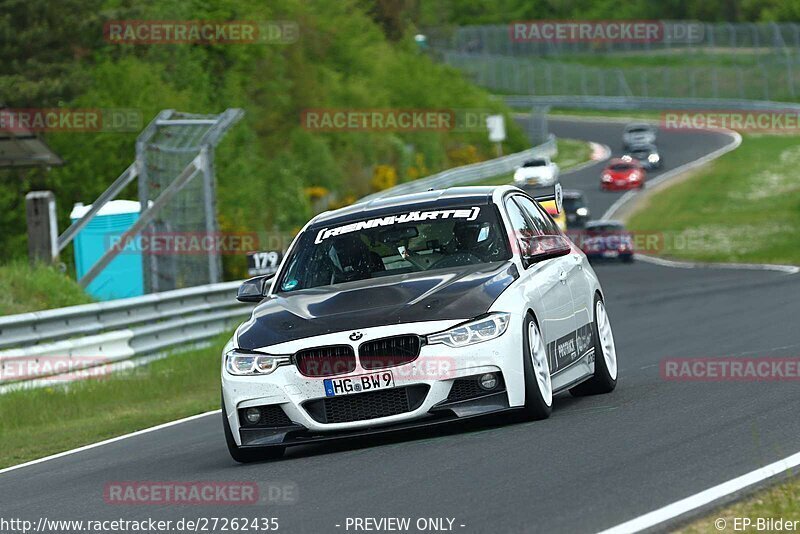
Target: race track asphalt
x=595 y=463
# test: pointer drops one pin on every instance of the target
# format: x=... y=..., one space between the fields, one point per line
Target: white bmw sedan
x=410 y=311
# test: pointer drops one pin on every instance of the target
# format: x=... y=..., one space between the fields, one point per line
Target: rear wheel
x=245 y=456
x=605 y=356
x=538 y=384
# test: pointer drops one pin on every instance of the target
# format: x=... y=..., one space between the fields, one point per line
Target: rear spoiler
x=557 y=195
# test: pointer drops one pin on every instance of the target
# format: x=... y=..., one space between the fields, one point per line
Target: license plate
x=610 y=254
x=358 y=384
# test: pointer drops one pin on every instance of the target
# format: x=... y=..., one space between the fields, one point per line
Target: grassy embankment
x=43 y=421
x=27 y=289
x=742 y=207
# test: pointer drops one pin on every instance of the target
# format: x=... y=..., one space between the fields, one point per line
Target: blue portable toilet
x=124 y=276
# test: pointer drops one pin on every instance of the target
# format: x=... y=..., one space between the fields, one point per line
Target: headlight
x=241 y=362
x=653 y=158
x=606 y=178
x=483 y=329
x=582 y=212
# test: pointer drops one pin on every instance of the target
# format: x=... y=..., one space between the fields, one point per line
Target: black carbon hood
x=425 y=296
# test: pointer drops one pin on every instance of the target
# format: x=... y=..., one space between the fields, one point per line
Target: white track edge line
x=788 y=269
x=708 y=496
x=109 y=441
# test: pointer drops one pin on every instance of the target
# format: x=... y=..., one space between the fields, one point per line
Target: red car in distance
x=622 y=174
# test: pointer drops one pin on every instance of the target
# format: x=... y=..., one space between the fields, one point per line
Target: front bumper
x=620 y=185
x=429 y=381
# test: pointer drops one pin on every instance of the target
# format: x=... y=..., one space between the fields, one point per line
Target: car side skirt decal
x=568 y=349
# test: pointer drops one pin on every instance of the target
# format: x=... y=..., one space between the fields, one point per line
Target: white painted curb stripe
x=600 y=153
x=788 y=269
x=705 y=497
x=108 y=441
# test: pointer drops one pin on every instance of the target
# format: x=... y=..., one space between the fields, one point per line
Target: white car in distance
x=538 y=171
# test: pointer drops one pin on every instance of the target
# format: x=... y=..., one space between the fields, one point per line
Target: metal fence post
x=40 y=212
x=740 y=82
x=210 y=206
x=548 y=72
x=584 y=90
x=645 y=92
x=714 y=82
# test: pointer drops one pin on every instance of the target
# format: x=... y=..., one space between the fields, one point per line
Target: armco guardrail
x=468 y=174
x=43 y=343
x=651 y=103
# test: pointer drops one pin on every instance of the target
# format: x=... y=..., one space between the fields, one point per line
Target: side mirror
x=544 y=247
x=254 y=289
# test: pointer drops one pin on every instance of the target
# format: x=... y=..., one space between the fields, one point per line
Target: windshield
x=405 y=242
x=571 y=204
x=638 y=129
x=605 y=228
x=535 y=163
x=640 y=154
x=621 y=167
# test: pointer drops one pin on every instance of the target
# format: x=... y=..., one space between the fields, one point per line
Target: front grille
x=365 y=406
x=326 y=361
x=389 y=351
x=271 y=416
x=468 y=388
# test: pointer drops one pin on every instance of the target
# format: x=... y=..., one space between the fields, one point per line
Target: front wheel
x=538 y=384
x=605 y=356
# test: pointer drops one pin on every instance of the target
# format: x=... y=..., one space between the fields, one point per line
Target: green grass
x=743 y=207
x=43 y=421
x=571 y=152
x=41 y=287
x=779 y=502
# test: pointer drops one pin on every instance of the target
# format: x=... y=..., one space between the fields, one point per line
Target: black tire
x=627 y=259
x=602 y=381
x=535 y=407
x=246 y=456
